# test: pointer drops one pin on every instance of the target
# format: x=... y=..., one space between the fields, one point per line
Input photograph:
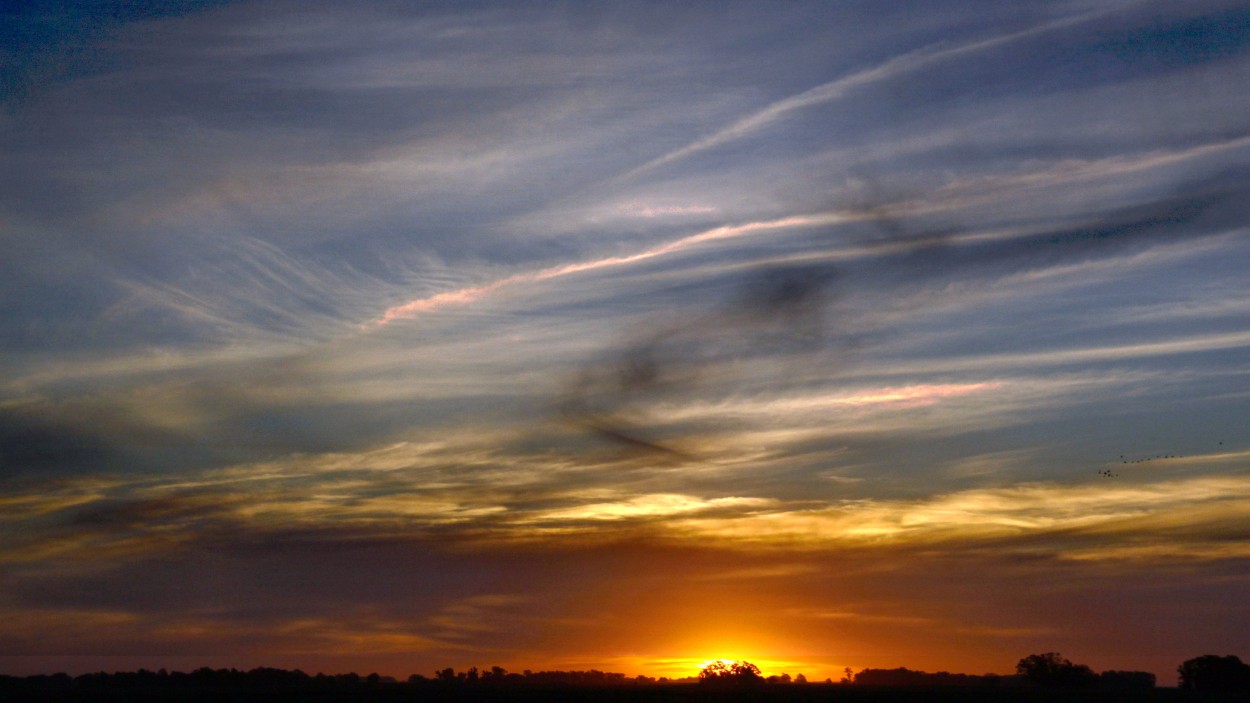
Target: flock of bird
x=1108 y=473
x=1156 y=457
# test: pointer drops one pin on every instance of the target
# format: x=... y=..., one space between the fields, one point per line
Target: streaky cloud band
x=472 y=294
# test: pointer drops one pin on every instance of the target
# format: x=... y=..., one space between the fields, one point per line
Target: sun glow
x=689 y=667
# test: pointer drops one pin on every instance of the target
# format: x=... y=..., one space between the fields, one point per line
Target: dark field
x=52 y=689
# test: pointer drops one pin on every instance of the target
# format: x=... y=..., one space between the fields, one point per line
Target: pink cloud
x=472 y=294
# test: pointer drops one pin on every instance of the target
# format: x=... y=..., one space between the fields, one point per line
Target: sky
x=392 y=336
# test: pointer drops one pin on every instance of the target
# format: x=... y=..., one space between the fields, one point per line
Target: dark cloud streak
x=777 y=307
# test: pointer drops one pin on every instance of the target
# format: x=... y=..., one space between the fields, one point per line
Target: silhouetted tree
x=906 y=677
x=1124 y=680
x=1052 y=670
x=1210 y=672
x=745 y=672
x=739 y=672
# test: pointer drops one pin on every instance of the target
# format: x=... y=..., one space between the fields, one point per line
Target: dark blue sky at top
x=162 y=116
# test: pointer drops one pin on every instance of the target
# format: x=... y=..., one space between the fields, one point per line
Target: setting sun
x=689 y=667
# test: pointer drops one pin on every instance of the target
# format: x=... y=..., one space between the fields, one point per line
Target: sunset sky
x=392 y=336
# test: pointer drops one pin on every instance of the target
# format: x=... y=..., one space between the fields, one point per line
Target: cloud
x=646 y=506
x=472 y=294
x=637 y=209
x=1115 y=521
x=838 y=88
x=417 y=495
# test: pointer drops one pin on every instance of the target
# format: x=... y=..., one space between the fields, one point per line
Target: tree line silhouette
x=1207 y=674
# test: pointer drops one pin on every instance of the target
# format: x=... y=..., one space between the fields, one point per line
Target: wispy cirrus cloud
x=838 y=88
x=420 y=491
x=468 y=295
